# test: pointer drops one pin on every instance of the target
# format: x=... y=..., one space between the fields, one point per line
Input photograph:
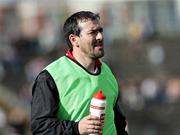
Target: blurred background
x=141 y=47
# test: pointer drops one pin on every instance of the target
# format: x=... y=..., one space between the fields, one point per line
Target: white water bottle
x=98 y=105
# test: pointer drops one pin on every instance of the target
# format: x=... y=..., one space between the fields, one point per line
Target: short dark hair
x=71 y=24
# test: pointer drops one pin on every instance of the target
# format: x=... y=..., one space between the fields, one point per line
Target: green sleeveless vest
x=76 y=87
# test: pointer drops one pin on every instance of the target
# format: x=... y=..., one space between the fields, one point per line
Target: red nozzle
x=99 y=95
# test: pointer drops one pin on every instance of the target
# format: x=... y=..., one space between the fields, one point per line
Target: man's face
x=91 y=39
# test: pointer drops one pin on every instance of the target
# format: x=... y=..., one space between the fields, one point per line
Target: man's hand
x=90 y=124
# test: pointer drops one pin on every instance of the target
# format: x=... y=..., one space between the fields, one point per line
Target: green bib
x=76 y=87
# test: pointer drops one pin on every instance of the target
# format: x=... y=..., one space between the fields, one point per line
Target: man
x=63 y=90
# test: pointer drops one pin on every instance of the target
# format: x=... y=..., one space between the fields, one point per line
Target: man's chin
x=100 y=55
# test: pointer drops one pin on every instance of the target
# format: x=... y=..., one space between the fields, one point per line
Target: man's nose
x=99 y=36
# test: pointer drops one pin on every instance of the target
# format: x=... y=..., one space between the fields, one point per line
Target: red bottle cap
x=99 y=95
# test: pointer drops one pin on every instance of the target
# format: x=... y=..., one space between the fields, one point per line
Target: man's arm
x=120 y=120
x=44 y=106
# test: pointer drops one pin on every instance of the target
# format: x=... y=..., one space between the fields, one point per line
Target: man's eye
x=93 y=32
x=101 y=30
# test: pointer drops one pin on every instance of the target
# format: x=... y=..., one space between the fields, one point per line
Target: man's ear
x=73 y=40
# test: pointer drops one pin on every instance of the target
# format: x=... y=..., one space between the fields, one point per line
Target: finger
x=95 y=122
x=88 y=117
x=102 y=117
x=95 y=127
x=102 y=121
x=92 y=117
x=90 y=131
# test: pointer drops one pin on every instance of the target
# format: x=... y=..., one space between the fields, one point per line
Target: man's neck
x=87 y=63
x=96 y=66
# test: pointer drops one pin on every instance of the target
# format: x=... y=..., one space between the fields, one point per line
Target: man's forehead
x=90 y=23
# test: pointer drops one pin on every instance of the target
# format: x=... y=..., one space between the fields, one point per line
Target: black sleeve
x=44 y=106
x=120 y=120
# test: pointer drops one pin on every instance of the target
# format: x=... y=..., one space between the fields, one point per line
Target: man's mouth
x=99 y=45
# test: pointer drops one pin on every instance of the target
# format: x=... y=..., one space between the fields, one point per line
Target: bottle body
x=98 y=106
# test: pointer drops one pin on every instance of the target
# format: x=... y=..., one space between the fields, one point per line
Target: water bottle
x=98 y=105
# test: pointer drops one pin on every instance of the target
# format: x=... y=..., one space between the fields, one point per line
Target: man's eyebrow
x=100 y=29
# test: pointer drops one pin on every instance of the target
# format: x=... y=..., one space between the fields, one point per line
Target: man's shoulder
x=55 y=62
x=105 y=65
